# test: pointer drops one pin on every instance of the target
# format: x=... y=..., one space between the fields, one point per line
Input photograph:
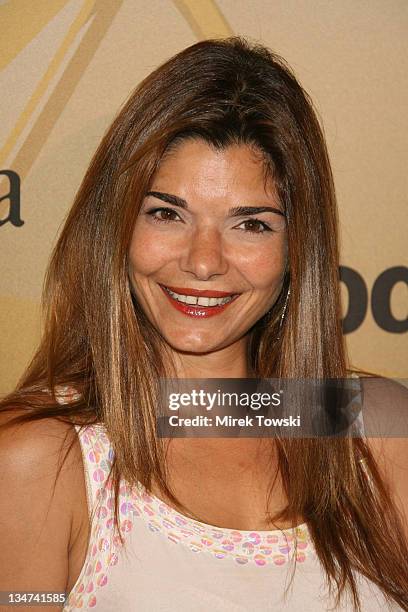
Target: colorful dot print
x=256 y=548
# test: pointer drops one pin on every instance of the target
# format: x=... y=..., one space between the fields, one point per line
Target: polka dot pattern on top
x=257 y=548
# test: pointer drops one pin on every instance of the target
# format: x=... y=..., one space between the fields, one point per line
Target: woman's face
x=210 y=233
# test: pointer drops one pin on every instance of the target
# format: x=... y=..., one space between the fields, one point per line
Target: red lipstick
x=191 y=310
x=199 y=292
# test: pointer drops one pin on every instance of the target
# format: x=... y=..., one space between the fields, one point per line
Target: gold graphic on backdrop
x=102 y=15
x=21 y=22
x=204 y=18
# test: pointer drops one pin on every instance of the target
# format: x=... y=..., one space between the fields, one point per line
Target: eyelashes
x=258 y=223
x=152 y=212
x=172 y=215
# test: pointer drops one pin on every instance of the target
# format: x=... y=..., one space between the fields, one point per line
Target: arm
x=385 y=412
x=35 y=524
x=391 y=455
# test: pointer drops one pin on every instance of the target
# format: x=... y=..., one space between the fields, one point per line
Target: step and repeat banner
x=68 y=66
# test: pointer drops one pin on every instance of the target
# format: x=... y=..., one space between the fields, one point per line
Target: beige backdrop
x=68 y=65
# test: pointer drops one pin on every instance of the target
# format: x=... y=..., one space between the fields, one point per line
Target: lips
x=199 y=292
x=186 y=300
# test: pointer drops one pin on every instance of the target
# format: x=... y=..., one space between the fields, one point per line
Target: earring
x=283 y=313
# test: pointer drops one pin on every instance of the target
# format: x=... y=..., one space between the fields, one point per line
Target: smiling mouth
x=199 y=305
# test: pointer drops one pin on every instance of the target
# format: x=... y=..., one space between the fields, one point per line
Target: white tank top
x=174 y=563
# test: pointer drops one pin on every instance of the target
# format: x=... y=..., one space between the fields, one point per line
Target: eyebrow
x=236 y=211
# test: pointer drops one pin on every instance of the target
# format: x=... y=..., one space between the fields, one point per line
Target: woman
x=213 y=182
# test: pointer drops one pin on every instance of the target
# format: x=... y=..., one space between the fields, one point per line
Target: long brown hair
x=98 y=340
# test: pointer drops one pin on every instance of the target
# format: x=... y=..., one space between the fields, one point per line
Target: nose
x=203 y=256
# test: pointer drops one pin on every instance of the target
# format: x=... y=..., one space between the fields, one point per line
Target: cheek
x=264 y=268
x=146 y=252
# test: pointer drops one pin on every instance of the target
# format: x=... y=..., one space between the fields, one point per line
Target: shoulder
x=385 y=407
x=40 y=475
x=385 y=414
x=37 y=446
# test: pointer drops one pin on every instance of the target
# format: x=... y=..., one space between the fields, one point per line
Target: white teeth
x=199 y=301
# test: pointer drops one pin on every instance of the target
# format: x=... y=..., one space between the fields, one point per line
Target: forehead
x=195 y=165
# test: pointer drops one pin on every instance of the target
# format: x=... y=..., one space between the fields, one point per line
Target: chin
x=191 y=345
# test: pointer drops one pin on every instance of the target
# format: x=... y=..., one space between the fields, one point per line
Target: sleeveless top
x=174 y=563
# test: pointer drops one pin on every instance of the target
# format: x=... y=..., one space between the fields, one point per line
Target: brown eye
x=163 y=214
x=255 y=226
x=166 y=215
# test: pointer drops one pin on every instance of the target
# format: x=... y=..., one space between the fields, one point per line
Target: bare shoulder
x=37 y=449
x=385 y=407
x=385 y=413
x=41 y=472
x=29 y=433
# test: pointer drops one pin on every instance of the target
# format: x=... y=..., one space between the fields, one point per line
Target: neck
x=228 y=362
